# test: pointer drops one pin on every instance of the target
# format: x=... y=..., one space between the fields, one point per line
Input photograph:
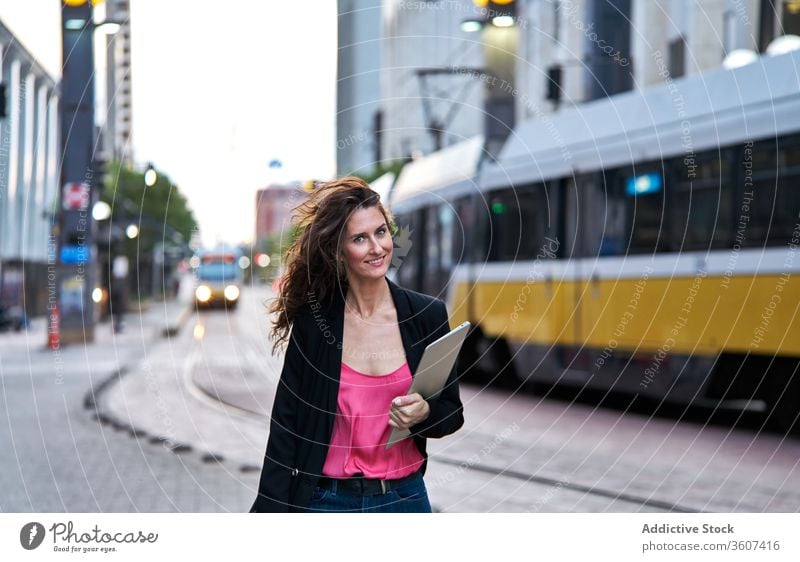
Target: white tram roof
x=443 y=173
x=383 y=186
x=699 y=112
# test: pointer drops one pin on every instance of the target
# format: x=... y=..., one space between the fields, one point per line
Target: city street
x=142 y=422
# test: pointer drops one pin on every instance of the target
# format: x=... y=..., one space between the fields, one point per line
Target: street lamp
x=101 y=211
x=150 y=176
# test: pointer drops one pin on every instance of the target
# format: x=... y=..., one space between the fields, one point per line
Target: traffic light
x=99 y=176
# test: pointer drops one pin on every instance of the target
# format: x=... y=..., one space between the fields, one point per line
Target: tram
x=646 y=244
x=218 y=277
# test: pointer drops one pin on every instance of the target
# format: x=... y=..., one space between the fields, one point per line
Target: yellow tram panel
x=695 y=315
x=761 y=314
x=647 y=314
x=459 y=304
x=699 y=315
x=541 y=312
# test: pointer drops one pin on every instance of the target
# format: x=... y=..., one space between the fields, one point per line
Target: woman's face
x=367 y=246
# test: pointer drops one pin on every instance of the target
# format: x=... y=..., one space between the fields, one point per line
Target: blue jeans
x=410 y=497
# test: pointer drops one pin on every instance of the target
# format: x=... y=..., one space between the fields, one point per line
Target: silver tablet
x=434 y=368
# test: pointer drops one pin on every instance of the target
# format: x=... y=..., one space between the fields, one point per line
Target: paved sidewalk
x=160 y=401
x=516 y=453
x=58 y=457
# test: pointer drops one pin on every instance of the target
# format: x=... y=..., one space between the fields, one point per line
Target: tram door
x=438 y=236
x=409 y=255
x=599 y=225
x=588 y=212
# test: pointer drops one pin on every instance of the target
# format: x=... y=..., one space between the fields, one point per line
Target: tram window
x=483 y=240
x=432 y=241
x=408 y=270
x=790 y=157
x=463 y=230
x=596 y=215
x=613 y=241
x=790 y=22
x=519 y=223
x=644 y=189
x=447 y=232
x=772 y=197
x=700 y=203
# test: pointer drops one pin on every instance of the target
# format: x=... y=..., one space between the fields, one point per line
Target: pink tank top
x=361 y=428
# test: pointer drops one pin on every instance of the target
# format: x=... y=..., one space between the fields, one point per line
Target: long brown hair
x=313 y=262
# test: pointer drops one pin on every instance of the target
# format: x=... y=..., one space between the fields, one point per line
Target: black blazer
x=307 y=395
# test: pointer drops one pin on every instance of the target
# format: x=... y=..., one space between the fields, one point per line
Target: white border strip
x=687 y=264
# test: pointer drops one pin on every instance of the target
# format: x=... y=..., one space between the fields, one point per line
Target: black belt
x=365 y=486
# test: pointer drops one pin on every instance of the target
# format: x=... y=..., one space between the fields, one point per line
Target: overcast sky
x=219 y=90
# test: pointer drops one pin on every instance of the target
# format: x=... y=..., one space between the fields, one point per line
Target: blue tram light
x=644 y=184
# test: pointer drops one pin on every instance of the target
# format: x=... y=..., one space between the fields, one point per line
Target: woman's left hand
x=408 y=410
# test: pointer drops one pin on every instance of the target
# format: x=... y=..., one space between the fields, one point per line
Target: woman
x=355 y=339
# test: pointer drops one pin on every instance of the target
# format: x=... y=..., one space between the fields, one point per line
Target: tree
x=161 y=213
x=382 y=168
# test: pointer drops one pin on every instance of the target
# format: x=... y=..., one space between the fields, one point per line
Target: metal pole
x=76 y=256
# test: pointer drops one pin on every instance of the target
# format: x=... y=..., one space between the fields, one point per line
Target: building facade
x=431 y=81
x=439 y=78
x=29 y=149
x=358 y=116
x=117 y=130
x=274 y=206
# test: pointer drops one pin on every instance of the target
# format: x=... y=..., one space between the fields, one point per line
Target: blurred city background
x=608 y=190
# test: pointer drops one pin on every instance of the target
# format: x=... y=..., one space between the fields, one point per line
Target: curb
x=174 y=327
x=92 y=402
x=93 y=399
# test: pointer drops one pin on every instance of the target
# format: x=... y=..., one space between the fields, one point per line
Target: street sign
x=75 y=196
x=74 y=255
